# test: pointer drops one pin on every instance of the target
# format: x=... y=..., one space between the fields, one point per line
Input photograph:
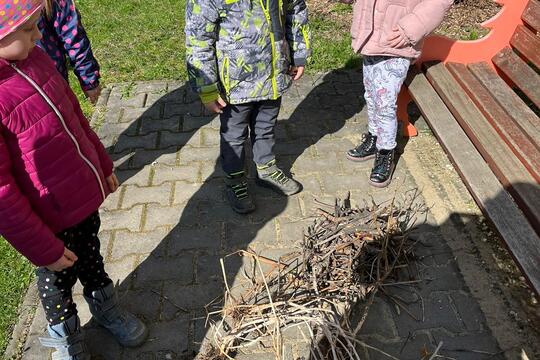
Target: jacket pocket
x=392 y=15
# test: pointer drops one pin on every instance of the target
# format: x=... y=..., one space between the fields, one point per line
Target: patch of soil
x=461 y=23
x=464 y=18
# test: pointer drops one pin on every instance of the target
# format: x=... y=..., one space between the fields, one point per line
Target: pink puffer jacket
x=52 y=165
x=373 y=20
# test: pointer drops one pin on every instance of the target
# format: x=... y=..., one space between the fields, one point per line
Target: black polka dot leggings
x=55 y=288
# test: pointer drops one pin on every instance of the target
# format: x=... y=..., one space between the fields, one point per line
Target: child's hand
x=113 y=182
x=216 y=106
x=66 y=261
x=296 y=72
x=93 y=95
x=397 y=39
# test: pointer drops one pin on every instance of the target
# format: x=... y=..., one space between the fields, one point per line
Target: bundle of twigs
x=346 y=256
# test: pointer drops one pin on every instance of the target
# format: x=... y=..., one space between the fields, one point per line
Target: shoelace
x=279 y=176
x=382 y=163
x=366 y=145
x=240 y=190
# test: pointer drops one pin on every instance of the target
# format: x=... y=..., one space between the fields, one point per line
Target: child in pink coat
x=389 y=35
x=54 y=175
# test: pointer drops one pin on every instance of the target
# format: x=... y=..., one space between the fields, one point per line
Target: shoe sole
x=276 y=189
x=359 y=159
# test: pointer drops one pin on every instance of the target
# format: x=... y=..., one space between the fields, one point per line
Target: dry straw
x=347 y=256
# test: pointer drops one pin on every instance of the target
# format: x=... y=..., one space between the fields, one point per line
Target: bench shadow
x=406 y=320
x=171 y=286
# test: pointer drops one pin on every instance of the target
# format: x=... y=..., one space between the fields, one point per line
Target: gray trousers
x=257 y=119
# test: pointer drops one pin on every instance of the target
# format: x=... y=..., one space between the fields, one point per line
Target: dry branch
x=347 y=255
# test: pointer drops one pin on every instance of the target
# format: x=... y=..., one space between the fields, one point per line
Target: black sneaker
x=382 y=171
x=237 y=193
x=366 y=150
x=271 y=176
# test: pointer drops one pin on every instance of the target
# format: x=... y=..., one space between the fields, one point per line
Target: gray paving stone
x=180 y=240
x=122 y=219
x=380 y=321
x=121 y=270
x=139 y=177
x=165 y=253
x=196 y=122
x=138 y=243
x=172 y=109
x=136 y=142
x=439 y=312
x=210 y=137
x=189 y=154
x=113 y=200
x=158 y=216
x=468 y=347
x=171 y=139
x=240 y=236
x=150 y=125
x=188 y=173
x=158 y=157
x=160 y=194
x=156 y=269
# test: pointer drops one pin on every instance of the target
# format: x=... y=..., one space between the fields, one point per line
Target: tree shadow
x=171 y=285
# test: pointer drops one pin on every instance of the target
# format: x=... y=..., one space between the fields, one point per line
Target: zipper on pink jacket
x=63 y=122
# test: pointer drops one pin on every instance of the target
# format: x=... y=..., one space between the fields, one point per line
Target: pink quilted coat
x=52 y=165
x=373 y=21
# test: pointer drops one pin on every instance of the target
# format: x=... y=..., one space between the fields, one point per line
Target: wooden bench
x=481 y=100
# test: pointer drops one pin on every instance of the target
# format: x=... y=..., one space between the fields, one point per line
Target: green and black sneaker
x=271 y=176
x=237 y=193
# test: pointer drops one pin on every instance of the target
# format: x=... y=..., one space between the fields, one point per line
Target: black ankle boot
x=366 y=150
x=382 y=171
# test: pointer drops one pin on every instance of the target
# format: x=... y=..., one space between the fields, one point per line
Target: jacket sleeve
x=424 y=18
x=297 y=32
x=104 y=159
x=68 y=25
x=201 y=35
x=19 y=224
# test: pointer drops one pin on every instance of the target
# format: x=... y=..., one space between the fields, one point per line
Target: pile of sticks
x=347 y=255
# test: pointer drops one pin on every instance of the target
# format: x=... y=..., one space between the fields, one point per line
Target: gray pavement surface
x=165 y=230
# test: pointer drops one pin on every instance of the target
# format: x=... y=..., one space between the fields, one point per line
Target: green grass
x=15 y=275
x=136 y=40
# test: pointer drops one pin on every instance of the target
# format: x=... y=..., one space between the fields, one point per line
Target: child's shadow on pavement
x=172 y=284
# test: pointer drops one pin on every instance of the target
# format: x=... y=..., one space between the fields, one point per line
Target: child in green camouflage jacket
x=242 y=55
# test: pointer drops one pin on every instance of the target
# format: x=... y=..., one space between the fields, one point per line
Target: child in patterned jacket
x=241 y=58
x=388 y=34
x=64 y=38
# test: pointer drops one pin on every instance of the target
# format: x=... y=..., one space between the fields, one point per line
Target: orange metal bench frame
x=440 y=48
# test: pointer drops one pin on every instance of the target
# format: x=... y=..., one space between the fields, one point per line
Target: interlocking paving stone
x=166 y=230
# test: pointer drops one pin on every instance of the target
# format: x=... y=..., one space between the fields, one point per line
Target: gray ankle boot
x=67 y=339
x=272 y=177
x=128 y=330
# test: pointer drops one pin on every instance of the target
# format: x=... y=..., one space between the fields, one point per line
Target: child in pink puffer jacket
x=54 y=175
x=389 y=35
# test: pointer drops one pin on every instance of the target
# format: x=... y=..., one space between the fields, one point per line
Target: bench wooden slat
x=488 y=192
x=527 y=44
x=520 y=73
x=507 y=98
x=510 y=171
x=531 y=15
x=521 y=145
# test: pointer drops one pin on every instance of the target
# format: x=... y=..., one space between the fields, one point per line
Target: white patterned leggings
x=383 y=78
